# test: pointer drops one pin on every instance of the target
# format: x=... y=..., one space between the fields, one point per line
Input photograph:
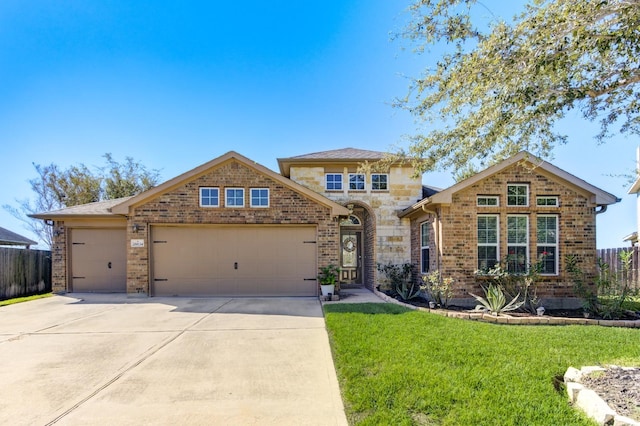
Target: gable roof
x=635 y=188
x=600 y=197
x=10 y=238
x=344 y=155
x=124 y=206
x=96 y=210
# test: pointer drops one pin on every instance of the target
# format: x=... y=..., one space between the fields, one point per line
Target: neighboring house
x=517 y=213
x=9 y=238
x=233 y=227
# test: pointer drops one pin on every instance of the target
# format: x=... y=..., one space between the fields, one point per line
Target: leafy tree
x=130 y=178
x=55 y=189
x=500 y=88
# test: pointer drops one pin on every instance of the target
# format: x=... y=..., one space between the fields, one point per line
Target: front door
x=351 y=256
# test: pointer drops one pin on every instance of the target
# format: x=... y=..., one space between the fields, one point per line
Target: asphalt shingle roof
x=342 y=154
x=11 y=238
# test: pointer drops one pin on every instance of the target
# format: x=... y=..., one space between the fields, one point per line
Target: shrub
x=399 y=280
x=438 y=288
x=495 y=301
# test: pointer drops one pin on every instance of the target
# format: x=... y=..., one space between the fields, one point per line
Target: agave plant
x=495 y=301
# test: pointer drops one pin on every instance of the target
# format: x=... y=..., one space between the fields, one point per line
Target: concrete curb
x=589 y=401
x=507 y=319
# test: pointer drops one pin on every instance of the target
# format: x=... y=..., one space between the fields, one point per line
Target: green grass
x=24 y=299
x=402 y=367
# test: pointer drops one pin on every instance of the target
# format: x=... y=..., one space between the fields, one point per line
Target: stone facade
x=392 y=234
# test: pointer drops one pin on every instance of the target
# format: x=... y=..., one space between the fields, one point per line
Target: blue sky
x=175 y=84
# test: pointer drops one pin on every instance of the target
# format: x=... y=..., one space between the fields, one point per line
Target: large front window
x=547 y=247
x=517 y=244
x=487 y=242
x=424 y=247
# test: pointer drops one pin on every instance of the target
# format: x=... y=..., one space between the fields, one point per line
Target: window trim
x=487 y=197
x=527 y=195
x=326 y=181
x=423 y=226
x=556 y=245
x=209 y=188
x=386 y=175
x=526 y=244
x=548 y=197
x=496 y=244
x=226 y=197
x=259 y=206
x=364 y=182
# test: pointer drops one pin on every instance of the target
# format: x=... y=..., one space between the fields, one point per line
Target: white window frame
x=386 y=182
x=326 y=181
x=496 y=244
x=259 y=206
x=226 y=198
x=555 y=245
x=524 y=244
x=547 y=198
x=486 y=198
x=526 y=195
x=210 y=188
x=364 y=181
x=424 y=235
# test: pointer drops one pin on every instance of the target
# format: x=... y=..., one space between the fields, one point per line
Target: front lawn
x=399 y=366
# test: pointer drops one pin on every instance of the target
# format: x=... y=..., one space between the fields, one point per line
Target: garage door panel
x=98 y=260
x=234 y=260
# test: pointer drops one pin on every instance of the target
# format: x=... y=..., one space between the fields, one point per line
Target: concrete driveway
x=108 y=359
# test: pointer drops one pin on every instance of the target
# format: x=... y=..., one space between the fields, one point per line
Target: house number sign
x=137 y=242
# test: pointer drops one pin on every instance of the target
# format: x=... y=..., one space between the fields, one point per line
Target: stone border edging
x=506 y=319
x=589 y=401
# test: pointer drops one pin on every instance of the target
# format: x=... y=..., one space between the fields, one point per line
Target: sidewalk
x=356 y=295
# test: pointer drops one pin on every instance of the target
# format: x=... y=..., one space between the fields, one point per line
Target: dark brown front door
x=351 y=256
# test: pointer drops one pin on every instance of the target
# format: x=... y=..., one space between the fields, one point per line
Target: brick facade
x=456 y=255
x=181 y=205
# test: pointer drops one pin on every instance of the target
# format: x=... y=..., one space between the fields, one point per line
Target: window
x=333 y=181
x=259 y=197
x=487 y=200
x=487 y=242
x=234 y=197
x=547 y=248
x=547 y=201
x=518 y=195
x=356 y=182
x=209 y=197
x=424 y=247
x=379 y=182
x=517 y=244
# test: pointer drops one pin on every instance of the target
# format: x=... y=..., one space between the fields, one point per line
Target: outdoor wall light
x=135 y=227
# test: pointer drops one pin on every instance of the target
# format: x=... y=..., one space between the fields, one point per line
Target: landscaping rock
x=595 y=407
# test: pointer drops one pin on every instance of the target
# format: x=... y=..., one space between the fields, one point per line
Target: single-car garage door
x=234 y=260
x=98 y=260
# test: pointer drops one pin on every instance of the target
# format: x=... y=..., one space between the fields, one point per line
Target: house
x=10 y=238
x=233 y=227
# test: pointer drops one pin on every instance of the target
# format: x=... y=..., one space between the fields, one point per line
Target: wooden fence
x=24 y=272
x=611 y=257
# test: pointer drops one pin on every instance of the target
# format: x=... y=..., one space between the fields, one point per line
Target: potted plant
x=328 y=277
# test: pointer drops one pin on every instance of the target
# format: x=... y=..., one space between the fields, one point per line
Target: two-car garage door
x=233 y=260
